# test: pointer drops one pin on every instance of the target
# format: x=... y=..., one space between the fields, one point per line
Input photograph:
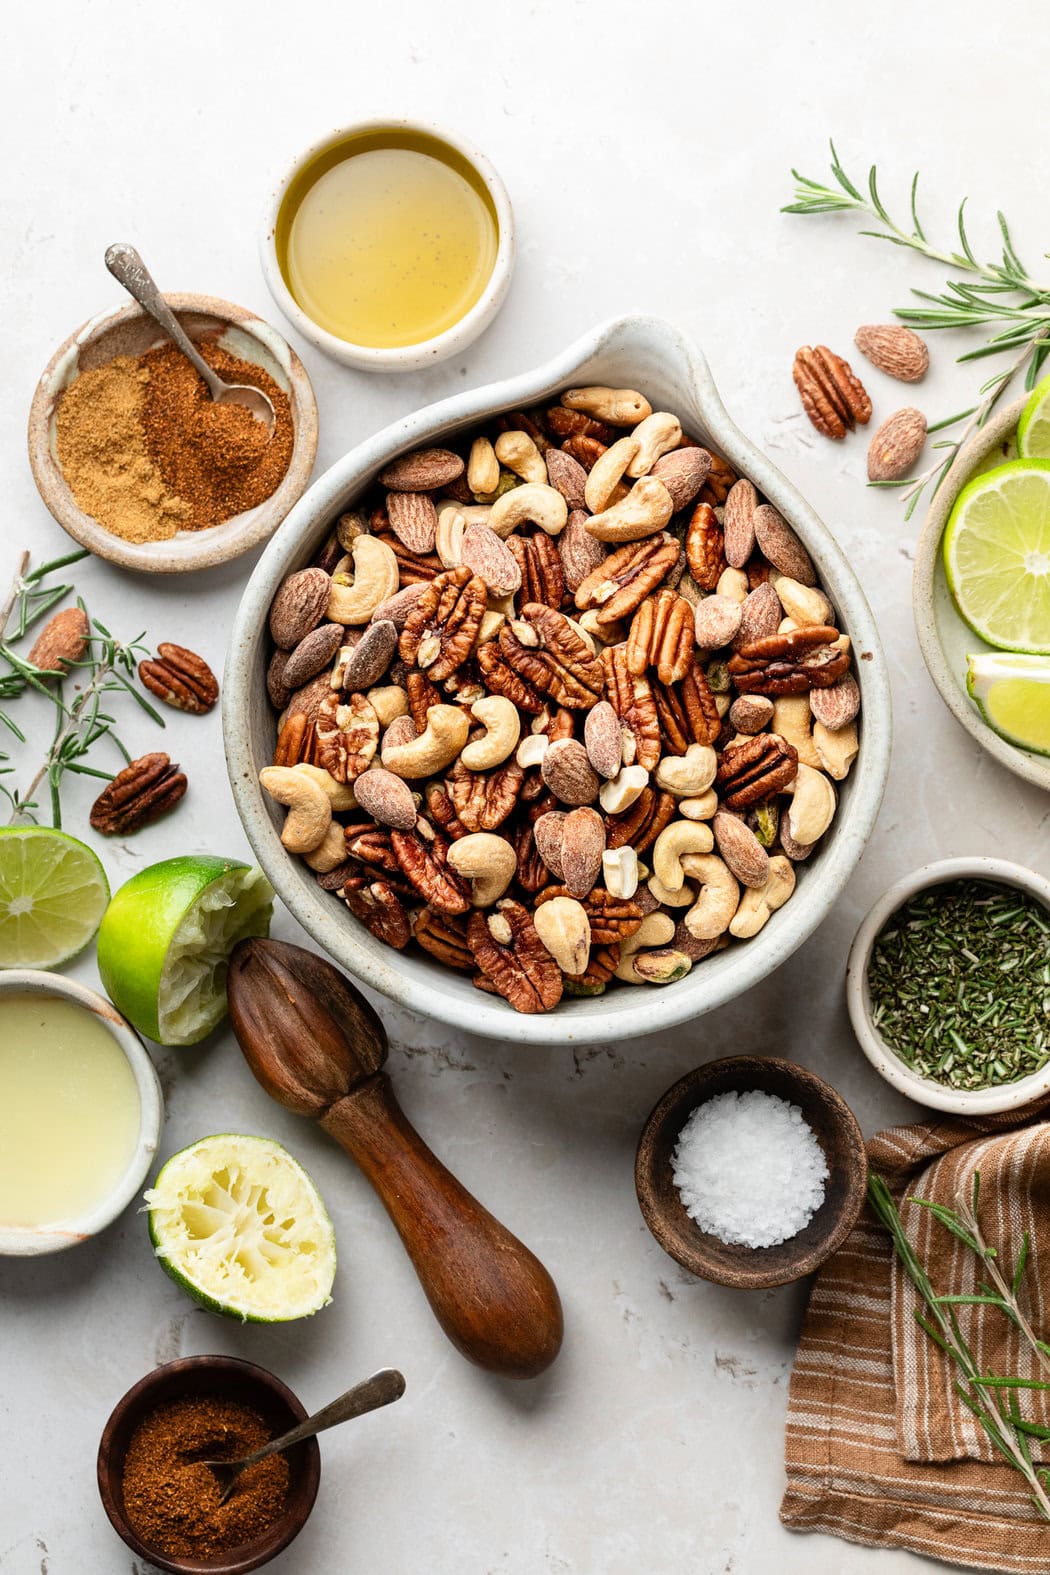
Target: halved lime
x=1033 y=429
x=238 y=1223
x=997 y=555
x=53 y=893
x=1012 y=693
x=166 y=938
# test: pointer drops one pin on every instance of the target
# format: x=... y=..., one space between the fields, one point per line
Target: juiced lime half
x=53 y=893
x=166 y=939
x=1012 y=693
x=997 y=555
x=238 y=1223
x=1033 y=429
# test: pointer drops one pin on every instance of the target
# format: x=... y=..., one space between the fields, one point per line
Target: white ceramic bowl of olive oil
x=389 y=244
x=80 y=1113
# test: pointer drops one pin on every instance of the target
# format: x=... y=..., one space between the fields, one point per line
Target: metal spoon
x=382 y=1388
x=127 y=267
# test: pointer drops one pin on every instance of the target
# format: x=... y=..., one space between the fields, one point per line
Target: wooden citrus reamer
x=317 y=1046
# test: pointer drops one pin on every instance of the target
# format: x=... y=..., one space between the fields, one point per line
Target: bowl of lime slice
x=981 y=587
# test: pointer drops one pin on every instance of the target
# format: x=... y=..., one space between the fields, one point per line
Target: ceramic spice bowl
x=129 y=331
x=741 y=1267
x=228 y=1378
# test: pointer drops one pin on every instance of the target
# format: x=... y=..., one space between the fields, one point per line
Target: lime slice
x=997 y=555
x=238 y=1223
x=53 y=893
x=166 y=938
x=1012 y=693
x=1033 y=429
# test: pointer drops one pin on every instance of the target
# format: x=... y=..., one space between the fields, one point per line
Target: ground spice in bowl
x=147 y=452
x=171 y=1499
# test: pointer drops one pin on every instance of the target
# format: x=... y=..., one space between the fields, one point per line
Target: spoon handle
x=381 y=1389
x=127 y=267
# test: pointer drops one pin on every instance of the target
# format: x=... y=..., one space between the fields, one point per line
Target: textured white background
x=646 y=149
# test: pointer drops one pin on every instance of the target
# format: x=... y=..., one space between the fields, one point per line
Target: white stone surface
x=646 y=150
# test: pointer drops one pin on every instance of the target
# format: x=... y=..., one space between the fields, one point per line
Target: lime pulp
x=997 y=555
x=1033 y=429
x=53 y=893
x=1012 y=693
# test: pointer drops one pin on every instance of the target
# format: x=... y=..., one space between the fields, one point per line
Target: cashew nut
x=487 y=861
x=354 y=597
x=564 y=928
x=812 y=806
x=621 y=407
x=605 y=633
x=837 y=748
x=688 y=775
x=733 y=583
x=499 y=717
x=681 y=836
x=533 y=503
x=620 y=871
x=803 y=603
x=309 y=807
x=489 y=627
x=330 y=852
x=532 y=749
x=340 y=794
x=387 y=702
x=482 y=468
x=793 y=720
x=607 y=472
x=682 y=898
x=624 y=788
x=700 y=808
x=645 y=510
x=448 y=538
x=519 y=453
x=758 y=902
x=657 y=435
x=435 y=747
x=656 y=929
x=710 y=915
x=786 y=625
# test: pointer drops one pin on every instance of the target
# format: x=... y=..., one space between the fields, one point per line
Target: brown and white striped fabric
x=878 y=1448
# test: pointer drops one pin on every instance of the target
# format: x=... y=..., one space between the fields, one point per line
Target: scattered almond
x=62 y=641
x=895 y=350
x=897 y=444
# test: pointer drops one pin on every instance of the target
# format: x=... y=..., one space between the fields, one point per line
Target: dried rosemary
x=960 y=984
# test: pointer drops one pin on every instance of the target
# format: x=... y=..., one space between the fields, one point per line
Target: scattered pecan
x=138 y=795
x=755 y=769
x=539 y=562
x=422 y=855
x=687 y=711
x=620 y=584
x=181 y=679
x=705 y=547
x=379 y=908
x=509 y=952
x=833 y=398
x=662 y=636
x=415 y=568
x=443 y=625
x=639 y=826
x=631 y=697
x=482 y=800
x=444 y=936
x=548 y=653
x=790 y=664
x=346 y=736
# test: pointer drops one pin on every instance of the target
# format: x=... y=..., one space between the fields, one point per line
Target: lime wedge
x=166 y=938
x=1033 y=429
x=997 y=555
x=1012 y=693
x=238 y=1223
x=53 y=893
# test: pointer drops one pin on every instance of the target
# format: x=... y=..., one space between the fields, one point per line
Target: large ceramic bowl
x=944 y=638
x=641 y=352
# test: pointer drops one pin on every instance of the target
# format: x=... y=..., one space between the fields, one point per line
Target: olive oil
x=69 y=1111
x=387 y=238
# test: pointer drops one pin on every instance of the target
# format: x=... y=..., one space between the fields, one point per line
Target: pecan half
x=181 y=679
x=370 y=844
x=509 y=953
x=833 y=398
x=639 y=826
x=444 y=936
x=141 y=793
x=498 y=672
x=755 y=769
x=422 y=855
x=545 y=649
x=440 y=631
x=532 y=874
x=414 y=568
x=720 y=479
x=687 y=711
x=346 y=736
x=482 y=800
x=584 y=449
x=631 y=697
x=612 y=919
x=422 y=694
x=662 y=636
x=620 y=584
x=379 y=908
x=705 y=547
x=565 y=423
x=790 y=664
x=539 y=562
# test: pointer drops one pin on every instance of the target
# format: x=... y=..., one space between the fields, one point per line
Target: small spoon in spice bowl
x=381 y=1389
x=127 y=267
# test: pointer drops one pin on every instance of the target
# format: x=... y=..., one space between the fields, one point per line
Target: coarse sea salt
x=749 y=1168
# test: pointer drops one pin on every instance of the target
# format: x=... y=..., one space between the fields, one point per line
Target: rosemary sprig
x=979 y=1392
x=1000 y=292
x=107 y=667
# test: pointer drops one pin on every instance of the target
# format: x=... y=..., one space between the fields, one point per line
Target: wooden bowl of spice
x=751 y=1171
x=136 y=461
x=164 y=1501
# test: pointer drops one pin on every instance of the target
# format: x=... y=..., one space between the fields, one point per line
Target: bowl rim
x=189 y=550
x=31 y=1241
x=1030 y=767
x=136 y=1399
x=397 y=358
x=753 y=1277
x=961 y=1102
x=585 y=1021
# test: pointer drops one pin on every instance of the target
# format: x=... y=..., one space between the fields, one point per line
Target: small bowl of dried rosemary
x=948 y=986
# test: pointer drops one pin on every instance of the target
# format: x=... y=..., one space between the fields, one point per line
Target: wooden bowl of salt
x=752 y=1169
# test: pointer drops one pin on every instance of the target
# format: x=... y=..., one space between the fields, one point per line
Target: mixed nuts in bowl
x=554 y=687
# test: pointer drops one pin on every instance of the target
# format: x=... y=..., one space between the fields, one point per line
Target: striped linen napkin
x=878 y=1447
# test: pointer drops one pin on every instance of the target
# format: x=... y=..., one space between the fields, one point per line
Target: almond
x=760 y=615
x=567 y=475
x=486 y=555
x=716 y=621
x=838 y=705
x=603 y=739
x=424 y=471
x=548 y=834
x=386 y=797
x=895 y=350
x=299 y=607
x=313 y=653
x=778 y=542
x=397 y=608
x=413 y=519
x=579 y=552
x=741 y=849
x=751 y=713
x=683 y=472
x=582 y=846
x=738 y=523
x=897 y=444
x=371 y=656
x=568 y=773
x=62 y=641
